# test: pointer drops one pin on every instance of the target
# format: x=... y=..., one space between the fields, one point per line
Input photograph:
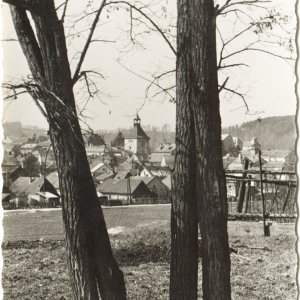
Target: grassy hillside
x=272 y=133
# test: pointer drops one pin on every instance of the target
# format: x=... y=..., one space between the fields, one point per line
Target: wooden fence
x=269 y=194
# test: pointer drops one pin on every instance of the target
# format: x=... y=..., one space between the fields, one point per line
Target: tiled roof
x=95 y=162
x=137 y=132
x=104 y=176
x=122 y=174
x=112 y=186
x=29 y=146
x=146 y=180
x=53 y=179
x=20 y=185
x=224 y=136
x=165 y=148
x=156 y=157
x=167 y=182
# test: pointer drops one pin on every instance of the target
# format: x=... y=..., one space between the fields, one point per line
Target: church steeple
x=137 y=120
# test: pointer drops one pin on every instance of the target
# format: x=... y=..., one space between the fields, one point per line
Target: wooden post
x=129 y=198
x=286 y=199
x=241 y=195
x=266 y=230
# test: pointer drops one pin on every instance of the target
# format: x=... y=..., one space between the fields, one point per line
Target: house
x=100 y=178
x=44 y=144
x=54 y=180
x=7 y=144
x=132 y=164
x=227 y=143
x=156 y=186
x=163 y=156
x=7 y=195
x=252 y=146
x=95 y=151
x=28 y=148
x=237 y=143
x=275 y=155
x=11 y=169
x=122 y=175
x=97 y=165
x=165 y=149
x=34 y=192
x=150 y=170
x=162 y=160
x=126 y=191
x=137 y=141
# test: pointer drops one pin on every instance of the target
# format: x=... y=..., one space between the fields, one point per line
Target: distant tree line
x=272 y=132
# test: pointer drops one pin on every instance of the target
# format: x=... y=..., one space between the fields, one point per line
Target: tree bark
x=197 y=87
x=184 y=222
x=93 y=270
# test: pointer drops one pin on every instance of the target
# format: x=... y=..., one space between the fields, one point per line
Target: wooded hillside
x=272 y=132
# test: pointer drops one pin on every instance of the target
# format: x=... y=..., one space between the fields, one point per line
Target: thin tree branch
x=236 y=93
x=221 y=87
x=88 y=41
x=149 y=19
x=64 y=11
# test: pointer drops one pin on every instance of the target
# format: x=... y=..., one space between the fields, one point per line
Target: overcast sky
x=269 y=81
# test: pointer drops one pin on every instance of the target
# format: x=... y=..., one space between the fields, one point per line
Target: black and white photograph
x=149 y=149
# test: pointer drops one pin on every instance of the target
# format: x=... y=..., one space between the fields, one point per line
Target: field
x=35 y=261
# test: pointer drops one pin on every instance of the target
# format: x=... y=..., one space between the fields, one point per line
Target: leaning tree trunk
x=93 y=270
x=197 y=85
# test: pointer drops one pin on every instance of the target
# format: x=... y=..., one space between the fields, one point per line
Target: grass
x=263 y=268
x=47 y=224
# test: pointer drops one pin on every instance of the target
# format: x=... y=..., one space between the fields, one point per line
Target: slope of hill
x=272 y=132
x=17 y=130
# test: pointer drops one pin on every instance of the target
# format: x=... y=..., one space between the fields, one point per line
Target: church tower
x=137 y=141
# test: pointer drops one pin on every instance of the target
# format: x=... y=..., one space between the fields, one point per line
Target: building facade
x=137 y=141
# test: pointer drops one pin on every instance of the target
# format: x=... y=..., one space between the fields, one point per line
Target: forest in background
x=272 y=132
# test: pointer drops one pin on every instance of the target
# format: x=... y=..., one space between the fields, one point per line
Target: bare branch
x=153 y=82
x=242 y=96
x=89 y=39
x=64 y=11
x=254 y=3
x=232 y=66
x=258 y=50
x=28 y=41
x=149 y=19
x=221 y=87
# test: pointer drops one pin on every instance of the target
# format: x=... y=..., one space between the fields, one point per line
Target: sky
x=269 y=81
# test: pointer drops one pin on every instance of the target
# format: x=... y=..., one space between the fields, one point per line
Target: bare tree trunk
x=93 y=269
x=184 y=222
x=197 y=88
